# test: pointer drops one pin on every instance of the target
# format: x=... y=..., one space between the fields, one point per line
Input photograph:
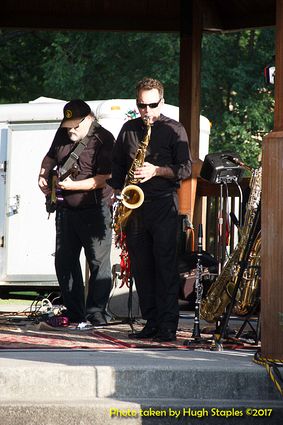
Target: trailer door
x=29 y=237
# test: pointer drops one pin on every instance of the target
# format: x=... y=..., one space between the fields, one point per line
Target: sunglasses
x=78 y=125
x=150 y=105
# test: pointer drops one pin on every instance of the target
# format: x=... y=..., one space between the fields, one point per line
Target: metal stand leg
x=255 y=330
x=220 y=231
x=116 y=275
x=130 y=318
x=199 y=290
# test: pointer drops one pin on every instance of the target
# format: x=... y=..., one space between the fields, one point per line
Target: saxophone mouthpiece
x=146 y=119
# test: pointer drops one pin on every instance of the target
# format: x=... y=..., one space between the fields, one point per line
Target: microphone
x=235 y=160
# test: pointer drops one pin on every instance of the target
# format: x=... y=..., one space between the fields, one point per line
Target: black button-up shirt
x=168 y=147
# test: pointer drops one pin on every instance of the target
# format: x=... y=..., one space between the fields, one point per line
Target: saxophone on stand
x=220 y=293
x=132 y=196
x=249 y=289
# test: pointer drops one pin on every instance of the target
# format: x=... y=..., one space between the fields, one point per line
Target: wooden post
x=272 y=215
x=189 y=95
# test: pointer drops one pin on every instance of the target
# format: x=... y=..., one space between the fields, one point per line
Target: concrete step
x=147 y=374
x=57 y=383
x=58 y=387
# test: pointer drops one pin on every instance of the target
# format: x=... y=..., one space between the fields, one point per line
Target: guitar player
x=83 y=217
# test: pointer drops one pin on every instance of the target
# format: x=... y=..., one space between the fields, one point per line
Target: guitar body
x=55 y=196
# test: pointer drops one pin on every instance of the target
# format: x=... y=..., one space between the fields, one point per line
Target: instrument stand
x=255 y=330
x=196 y=335
x=243 y=266
x=130 y=319
x=220 y=229
x=116 y=273
x=221 y=222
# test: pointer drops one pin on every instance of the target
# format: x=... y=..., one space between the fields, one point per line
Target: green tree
x=107 y=65
x=21 y=65
x=234 y=95
x=101 y=65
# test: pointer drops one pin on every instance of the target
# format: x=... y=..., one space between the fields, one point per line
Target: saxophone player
x=151 y=230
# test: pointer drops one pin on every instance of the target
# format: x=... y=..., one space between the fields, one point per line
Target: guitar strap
x=51 y=199
x=75 y=154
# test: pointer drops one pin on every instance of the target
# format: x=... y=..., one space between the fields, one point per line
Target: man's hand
x=149 y=170
x=146 y=172
x=92 y=183
x=67 y=184
x=43 y=185
x=46 y=166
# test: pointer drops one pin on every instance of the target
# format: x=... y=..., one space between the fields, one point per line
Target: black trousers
x=89 y=229
x=152 y=244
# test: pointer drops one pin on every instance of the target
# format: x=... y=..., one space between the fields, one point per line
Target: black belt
x=82 y=208
x=155 y=198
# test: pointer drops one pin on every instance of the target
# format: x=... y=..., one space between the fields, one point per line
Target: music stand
x=222 y=168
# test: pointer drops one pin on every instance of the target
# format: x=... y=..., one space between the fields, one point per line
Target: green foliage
x=90 y=65
x=234 y=95
x=21 y=65
x=105 y=65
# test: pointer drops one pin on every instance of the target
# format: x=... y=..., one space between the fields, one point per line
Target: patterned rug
x=24 y=334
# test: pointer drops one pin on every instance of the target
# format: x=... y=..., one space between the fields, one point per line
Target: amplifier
x=224 y=167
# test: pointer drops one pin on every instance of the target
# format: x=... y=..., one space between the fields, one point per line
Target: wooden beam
x=272 y=216
x=96 y=15
x=189 y=95
x=127 y=15
x=229 y=16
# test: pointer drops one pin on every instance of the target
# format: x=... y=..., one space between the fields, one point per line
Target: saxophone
x=132 y=196
x=250 y=284
x=219 y=294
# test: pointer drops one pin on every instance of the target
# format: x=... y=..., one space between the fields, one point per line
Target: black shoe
x=165 y=335
x=146 y=332
x=72 y=317
x=97 y=318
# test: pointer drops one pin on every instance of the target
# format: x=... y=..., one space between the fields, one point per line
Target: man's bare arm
x=46 y=166
x=92 y=183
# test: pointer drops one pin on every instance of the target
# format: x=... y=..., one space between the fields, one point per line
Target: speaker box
x=222 y=167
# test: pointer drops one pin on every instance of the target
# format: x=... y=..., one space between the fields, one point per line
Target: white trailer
x=27 y=236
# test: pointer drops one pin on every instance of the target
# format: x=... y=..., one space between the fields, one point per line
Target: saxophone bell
x=132 y=196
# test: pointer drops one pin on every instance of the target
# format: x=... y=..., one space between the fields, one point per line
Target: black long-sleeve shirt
x=168 y=147
x=94 y=159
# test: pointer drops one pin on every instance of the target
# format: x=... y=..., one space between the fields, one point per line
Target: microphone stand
x=198 y=290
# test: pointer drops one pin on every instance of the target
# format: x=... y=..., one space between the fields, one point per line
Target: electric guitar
x=55 y=196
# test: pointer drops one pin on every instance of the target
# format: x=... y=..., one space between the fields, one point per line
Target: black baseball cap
x=74 y=112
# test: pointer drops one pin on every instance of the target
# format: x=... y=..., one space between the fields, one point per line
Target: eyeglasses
x=150 y=105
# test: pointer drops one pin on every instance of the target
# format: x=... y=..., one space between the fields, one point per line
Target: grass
x=19 y=297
